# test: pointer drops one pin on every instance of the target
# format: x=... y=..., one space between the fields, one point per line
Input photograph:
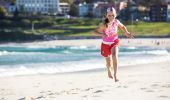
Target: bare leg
x=108 y=65
x=115 y=51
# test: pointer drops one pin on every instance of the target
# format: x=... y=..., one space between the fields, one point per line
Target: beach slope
x=137 y=82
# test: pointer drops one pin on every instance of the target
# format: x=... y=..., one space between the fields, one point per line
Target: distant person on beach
x=108 y=29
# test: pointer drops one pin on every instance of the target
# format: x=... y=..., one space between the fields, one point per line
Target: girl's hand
x=129 y=35
x=104 y=35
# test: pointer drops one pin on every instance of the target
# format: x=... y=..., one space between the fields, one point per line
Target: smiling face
x=110 y=15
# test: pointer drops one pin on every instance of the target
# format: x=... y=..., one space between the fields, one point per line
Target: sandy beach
x=140 y=82
x=137 y=82
x=154 y=42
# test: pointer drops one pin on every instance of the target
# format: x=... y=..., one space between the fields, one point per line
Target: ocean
x=26 y=59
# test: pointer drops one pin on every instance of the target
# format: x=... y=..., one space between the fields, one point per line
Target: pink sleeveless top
x=111 y=32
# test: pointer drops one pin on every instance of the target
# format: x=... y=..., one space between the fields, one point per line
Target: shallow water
x=35 y=59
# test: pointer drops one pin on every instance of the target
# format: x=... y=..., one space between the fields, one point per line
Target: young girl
x=109 y=47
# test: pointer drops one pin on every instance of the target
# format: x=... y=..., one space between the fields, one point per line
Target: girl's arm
x=98 y=31
x=125 y=31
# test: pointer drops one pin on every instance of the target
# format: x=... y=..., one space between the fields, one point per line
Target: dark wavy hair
x=105 y=20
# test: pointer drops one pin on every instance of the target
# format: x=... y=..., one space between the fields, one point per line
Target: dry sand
x=156 y=42
x=138 y=82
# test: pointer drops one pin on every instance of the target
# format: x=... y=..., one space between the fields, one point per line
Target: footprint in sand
x=27 y=98
x=2 y=89
x=84 y=96
x=164 y=96
x=147 y=90
x=2 y=98
x=143 y=88
x=51 y=94
x=63 y=92
x=42 y=92
x=125 y=86
x=74 y=91
x=45 y=92
x=98 y=91
x=122 y=86
x=88 y=89
x=95 y=96
x=39 y=97
x=166 y=85
x=118 y=86
x=57 y=93
x=154 y=85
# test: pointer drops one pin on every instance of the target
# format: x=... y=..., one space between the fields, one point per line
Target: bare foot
x=110 y=75
x=116 y=80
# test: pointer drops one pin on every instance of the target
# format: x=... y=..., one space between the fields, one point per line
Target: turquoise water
x=18 y=59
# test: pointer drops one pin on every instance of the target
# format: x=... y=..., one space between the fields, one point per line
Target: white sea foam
x=83 y=47
x=49 y=68
x=39 y=46
x=72 y=66
x=158 y=52
x=69 y=59
x=78 y=47
x=130 y=47
x=153 y=52
x=4 y=53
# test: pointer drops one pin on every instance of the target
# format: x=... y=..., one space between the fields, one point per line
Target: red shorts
x=106 y=48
